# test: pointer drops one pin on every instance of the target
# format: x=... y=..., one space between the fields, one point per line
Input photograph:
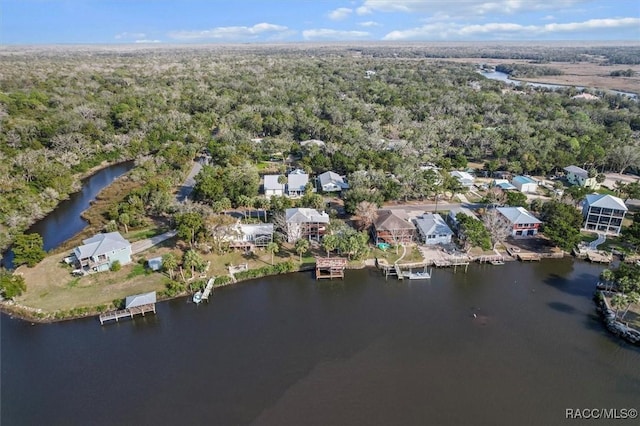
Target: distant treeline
x=622 y=73
x=522 y=70
x=603 y=55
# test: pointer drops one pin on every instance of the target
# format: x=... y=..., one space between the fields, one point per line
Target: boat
x=497 y=262
x=419 y=276
x=197 y=297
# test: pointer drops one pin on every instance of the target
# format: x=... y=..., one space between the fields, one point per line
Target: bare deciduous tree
x=499 y=228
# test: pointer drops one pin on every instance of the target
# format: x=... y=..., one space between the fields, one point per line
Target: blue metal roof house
x=99 y=252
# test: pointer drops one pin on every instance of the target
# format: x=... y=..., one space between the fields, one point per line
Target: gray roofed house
x=99 y=252
x=140 y=299
x=252 y=234
x=296 y=182
x=432 y=229
x=522 y=222
x=305 y=223
x=604 y=213
x=331 y=182
x=272 y=187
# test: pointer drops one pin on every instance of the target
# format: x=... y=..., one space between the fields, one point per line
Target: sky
x=275 y=21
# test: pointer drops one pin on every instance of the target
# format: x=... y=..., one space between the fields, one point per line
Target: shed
x=155 y=264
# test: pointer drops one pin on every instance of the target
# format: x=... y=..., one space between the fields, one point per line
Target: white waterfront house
x=604 y=213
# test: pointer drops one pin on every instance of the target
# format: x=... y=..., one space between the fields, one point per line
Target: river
x=501 y=76
x=65 y=221
x=363 y=351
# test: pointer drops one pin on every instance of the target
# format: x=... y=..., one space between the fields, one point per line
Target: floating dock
x=208 y=289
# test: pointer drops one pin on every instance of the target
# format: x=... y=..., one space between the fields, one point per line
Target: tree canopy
x=561 y=224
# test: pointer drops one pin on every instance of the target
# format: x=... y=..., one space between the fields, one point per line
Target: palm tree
x=124 y=220
x=630 y=299
x=273 y=248
x=617 y=301
x=169 y=263
x=192 y=260
x=302 y=245
x=330 y=243
x=607 y=276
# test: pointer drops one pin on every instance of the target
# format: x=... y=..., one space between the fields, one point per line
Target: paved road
x=147 y=243
x=189 y=183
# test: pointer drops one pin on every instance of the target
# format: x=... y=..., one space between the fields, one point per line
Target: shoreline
x=78 y=178
x=22 y=312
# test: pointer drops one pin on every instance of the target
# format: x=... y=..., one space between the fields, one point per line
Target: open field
x=585 y=74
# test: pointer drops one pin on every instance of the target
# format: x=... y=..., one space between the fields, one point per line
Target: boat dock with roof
x=138 y=304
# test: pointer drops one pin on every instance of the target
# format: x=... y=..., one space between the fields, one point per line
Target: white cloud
x=329 y=34
x=147 y=41
x=364 y=10
x=465 y=7
x=340 y=13
x=498 y=30
x=369 y=24
x=128 y=36
x=233 y=33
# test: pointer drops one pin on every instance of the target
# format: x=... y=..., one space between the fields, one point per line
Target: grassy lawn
x=51 y=287
x=413 y=255
x=632 y=318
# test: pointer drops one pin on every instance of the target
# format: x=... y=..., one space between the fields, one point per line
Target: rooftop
x=431 y=223
x=305 y=215
x=523 y=179
x=392 y=219
x=578 y=171
x=605 y=201
x=101 y=244
x=517 y=215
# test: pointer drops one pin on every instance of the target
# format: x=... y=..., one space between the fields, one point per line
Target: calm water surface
x=65 y=221
x=363 y=351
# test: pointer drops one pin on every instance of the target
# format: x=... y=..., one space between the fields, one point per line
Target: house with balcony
x=393 y=227
x=523 y=223
x=99 y=252
x=432 y=229
x=579 y=176
x=603 y=213
x=305 y=223
x=249 y=235
x=296 y=183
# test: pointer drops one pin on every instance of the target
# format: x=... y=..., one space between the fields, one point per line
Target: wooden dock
x=127 y=313
x=138 y=304
x=330 y=267
x=208 y=289
x=531 y=257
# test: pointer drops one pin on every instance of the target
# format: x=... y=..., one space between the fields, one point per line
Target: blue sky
x=233 y=21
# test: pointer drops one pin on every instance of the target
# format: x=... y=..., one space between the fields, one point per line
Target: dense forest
x=63 y=112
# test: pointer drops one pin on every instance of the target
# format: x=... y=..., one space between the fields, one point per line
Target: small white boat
x=197 y=297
